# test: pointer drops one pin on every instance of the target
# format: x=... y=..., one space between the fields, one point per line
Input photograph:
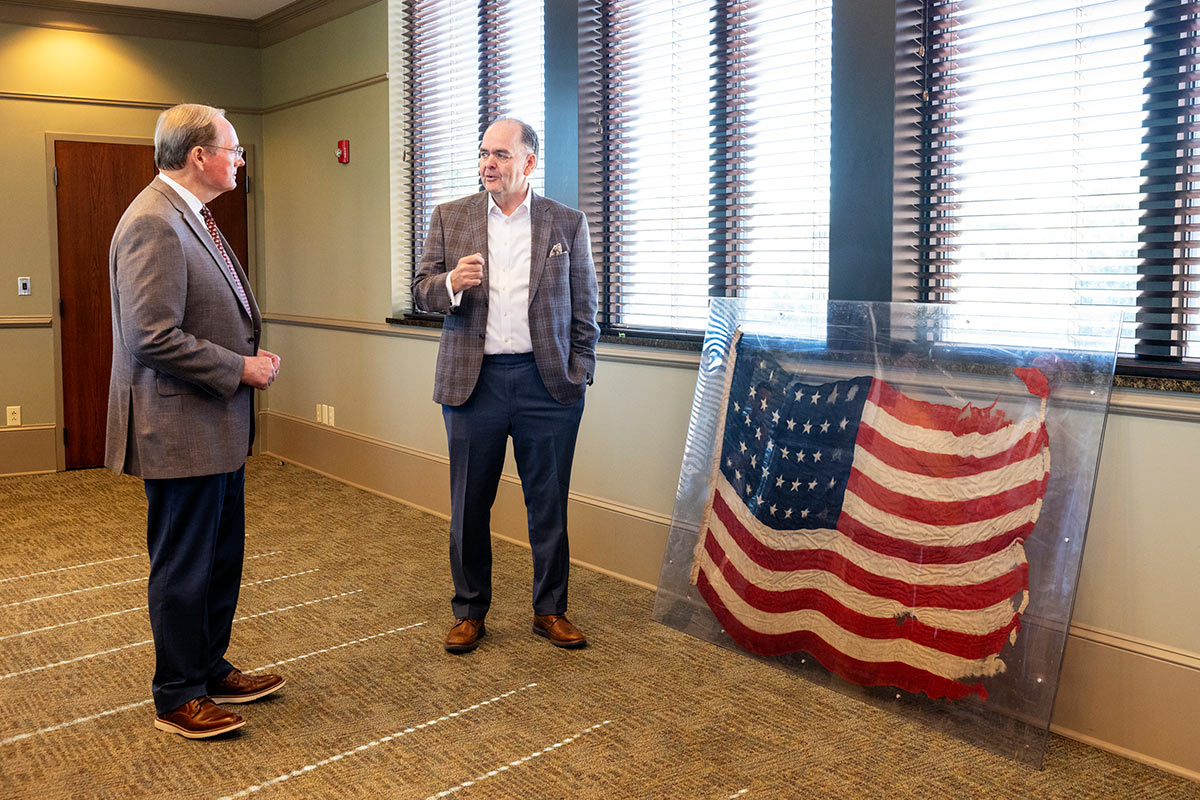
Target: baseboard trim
x=1122 y=694
x=27 y=450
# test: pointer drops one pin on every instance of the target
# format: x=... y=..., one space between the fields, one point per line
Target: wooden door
x=96 y=181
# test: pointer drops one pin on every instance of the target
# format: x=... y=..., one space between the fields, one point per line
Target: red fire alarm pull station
x=343 y=151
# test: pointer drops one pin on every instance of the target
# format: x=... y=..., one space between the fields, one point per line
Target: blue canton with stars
x=788 y=445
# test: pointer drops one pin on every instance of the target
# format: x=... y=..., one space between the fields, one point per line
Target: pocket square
x=557 y=250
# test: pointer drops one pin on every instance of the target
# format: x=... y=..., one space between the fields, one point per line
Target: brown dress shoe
x=465 y=635
x=199 y=719
x=238 y=687
x=559 y=630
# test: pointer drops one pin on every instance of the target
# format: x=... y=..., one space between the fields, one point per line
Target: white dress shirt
x=192 y=201
x=507 y=269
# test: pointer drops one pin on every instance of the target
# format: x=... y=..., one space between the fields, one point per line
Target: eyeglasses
x=503 y=156
x=238 y=151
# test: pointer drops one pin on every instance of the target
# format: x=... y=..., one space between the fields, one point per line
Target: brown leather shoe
x=238 y=687
x=199 y=719
x=559 y=630
x=465 y=635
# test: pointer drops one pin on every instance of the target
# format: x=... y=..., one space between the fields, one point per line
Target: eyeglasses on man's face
x=503 y=156
x=238 y=151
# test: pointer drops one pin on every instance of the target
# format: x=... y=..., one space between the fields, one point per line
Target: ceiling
x=238 y=9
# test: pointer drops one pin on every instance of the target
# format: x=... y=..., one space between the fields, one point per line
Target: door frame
x=52 y=137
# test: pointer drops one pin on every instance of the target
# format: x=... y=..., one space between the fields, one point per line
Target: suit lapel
x=478 y=236
x=539 y=241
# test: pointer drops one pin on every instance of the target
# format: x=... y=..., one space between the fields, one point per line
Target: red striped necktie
x=216 y=237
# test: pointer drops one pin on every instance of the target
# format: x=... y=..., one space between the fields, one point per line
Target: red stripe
x=963 y=645
x=872 y=539
x=864 y=673
x=945 y=465
x=945 y=512
x=968 y=597
x=935 y=416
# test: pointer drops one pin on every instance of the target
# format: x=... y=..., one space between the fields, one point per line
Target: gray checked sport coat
x=562 y=297
x=177 y=406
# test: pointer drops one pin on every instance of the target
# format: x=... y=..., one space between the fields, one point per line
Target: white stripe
x=117 y=710
x=977 y=622
x=73 y=566
x=72 y=622
x=112 y=650
x=249 y=790
x=949 y=490
x=980 y=445
x=518 y=762
x=923 y=533
x=945 y=665
x=834 y=541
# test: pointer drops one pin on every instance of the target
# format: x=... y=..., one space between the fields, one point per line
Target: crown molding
x=72 y=15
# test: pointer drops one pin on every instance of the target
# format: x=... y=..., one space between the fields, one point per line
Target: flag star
x=775 y=417
x=747 y=419
x=736 y=407
x=825 y=426
x=816 y=456
x=804 y=513
x=795 y=484
x=729 y=462
x=832 y=396
x=772 y=509
x=853 y=391
x=742 y=445
x=765 y=471
x=747 y=488
x=791 y=424
x=816 y=396
x=807 y=426
x=837 y=454
x=784 y=453
x=755 y=500
x=799 y=394
x=753 y=391
x=764 y=404
x=758 y=433
x=843 y=423
x=832 y=482
x=771 y=377
x=770 y=445
x=801 y=456
x=737 y=473
x=779 y=481
x=812 y=485
x=787 y=514
x=753 y=461
x=762 y=365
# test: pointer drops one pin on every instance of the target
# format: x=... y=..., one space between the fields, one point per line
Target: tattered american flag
x=878 y=533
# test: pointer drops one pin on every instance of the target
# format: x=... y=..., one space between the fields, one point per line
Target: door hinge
x=61 y=308
x=56 y=176
x=247 y=179
x=65 y=441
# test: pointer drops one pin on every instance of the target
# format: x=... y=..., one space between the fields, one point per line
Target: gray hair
x=179 y=129
x=529 y=136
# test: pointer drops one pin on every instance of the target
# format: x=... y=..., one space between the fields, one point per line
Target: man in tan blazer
x=185 y=364
x=512 y=272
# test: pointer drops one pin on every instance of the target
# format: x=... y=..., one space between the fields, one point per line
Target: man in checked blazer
x=185 y=364
x=512 y=272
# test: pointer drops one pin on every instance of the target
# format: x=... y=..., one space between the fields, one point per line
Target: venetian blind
x=1057 y=164
x=712 y=155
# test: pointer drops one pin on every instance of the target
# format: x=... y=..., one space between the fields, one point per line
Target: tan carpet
x=348 y=595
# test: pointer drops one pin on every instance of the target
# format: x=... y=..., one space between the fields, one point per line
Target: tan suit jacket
x=562 y=297
x=176 y=405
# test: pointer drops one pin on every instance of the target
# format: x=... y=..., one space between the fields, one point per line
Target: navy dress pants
x=196 y=532
x=510 y=400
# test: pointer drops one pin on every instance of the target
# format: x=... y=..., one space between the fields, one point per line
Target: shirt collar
x=192 y=201
x=527 y=204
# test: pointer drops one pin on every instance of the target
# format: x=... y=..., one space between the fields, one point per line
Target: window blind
x=470 y=62
x=1057 y=164
x=712 y=151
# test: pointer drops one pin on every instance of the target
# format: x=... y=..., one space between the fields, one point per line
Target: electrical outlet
x=23 y=286
x=331 y=416
x=320 y=416
x=13 y=416
x=324 y=414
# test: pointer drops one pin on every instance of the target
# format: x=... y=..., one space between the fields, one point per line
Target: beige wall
x=324 y=282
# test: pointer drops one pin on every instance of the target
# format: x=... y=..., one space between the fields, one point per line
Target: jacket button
x=250 y=340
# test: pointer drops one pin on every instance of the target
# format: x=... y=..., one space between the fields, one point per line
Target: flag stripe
x=981 y=594
x=918 y=553
x=948 y=490
x=784 y=550
x=864 y=673
x=920 y=533
x=963 y=422
x=946 y=465
x=939 y=440
x=903 y=625
x=974 y=622
x=934 y=512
